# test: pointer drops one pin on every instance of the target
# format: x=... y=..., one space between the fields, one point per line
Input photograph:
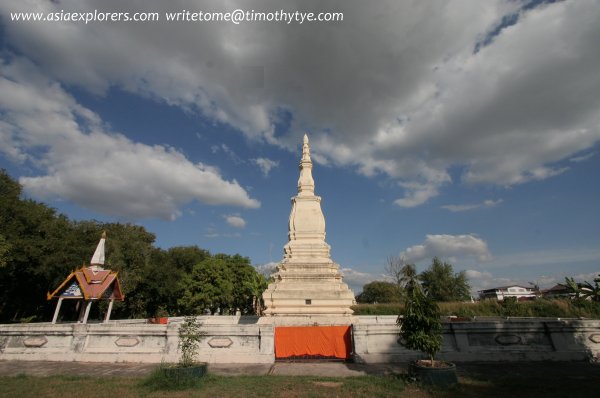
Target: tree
x=185 y=257
x=221 y=282
x=380 y=292
x=420 y=324
x=401 y=272
x=190 y=335
x=4 y=250
x=40 y=248
x=442 y=284
x=584 y=290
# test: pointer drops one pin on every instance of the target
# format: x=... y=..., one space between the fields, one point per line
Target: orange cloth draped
x=327 y=341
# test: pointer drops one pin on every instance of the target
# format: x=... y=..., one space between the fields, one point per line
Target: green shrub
x=190 y=335
x=556 y=308
x=161 y=379
x=377 y=309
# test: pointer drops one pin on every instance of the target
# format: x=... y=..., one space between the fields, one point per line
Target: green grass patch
x=166 y=378
x=67 y=386
x=209 y=386
x=299 y=386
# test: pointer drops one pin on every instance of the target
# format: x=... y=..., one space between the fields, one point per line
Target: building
x=87 y=285
x=307 y=281
x=503 y=292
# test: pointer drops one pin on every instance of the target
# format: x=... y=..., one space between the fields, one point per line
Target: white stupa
x=307 y=281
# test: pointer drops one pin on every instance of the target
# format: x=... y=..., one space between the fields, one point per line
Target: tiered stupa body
x=307 y=281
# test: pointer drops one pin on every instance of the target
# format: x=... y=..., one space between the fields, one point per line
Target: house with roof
x=503 y=292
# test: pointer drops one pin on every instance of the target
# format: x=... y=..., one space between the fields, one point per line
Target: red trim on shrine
x=88 y=284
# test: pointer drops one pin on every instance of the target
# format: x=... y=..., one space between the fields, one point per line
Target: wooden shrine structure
x=88 y=284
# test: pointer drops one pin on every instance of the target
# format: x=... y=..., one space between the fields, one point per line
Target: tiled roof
x=90 y=283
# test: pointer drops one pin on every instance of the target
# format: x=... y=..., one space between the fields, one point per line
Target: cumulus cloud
x=227 y=151
x=235 y=221
x=448 y=246
x=466 y=207
x=474 y=274
x=416 y=194
x=396 y=89
x=265 y=165
x=267 y=269
x=582 y=158
x=86 y=163
x=357 y=279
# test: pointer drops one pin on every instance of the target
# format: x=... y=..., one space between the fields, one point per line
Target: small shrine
x=88 y=284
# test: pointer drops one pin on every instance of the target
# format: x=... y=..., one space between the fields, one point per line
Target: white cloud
x=416 y=194
x=357 y=279
x=267 y=269
x=93 y=167
x=228 y=151
x=212 y=233
x=235 y=221
x=583 y=158
x=474 y=274
x=448 y=246
x=485 y=204
x=265 y=165
x=396 y=89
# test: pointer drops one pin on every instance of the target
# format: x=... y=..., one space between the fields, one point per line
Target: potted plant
x=190 y=335
x=161 y=316
x=421 y=329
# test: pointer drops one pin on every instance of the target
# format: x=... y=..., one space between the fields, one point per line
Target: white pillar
x=110 y=304
x=55 y=317
x=87 y=311
x=81 y=308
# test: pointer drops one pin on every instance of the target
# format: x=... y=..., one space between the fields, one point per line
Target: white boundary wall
x=376 y=339
x=231 y=339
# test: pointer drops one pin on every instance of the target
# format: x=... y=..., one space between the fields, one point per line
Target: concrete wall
x=228 y=340
x=486 y=339
x=231 y=339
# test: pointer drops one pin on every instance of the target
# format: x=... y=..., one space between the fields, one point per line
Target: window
x=308 y=301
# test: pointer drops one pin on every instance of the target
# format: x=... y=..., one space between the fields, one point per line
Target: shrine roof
x=90 y=283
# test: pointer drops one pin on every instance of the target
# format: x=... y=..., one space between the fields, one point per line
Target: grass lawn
x=294 y=386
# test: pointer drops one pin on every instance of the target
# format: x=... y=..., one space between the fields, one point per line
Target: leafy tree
x=409 y=279
x=584 y=290
x=210 y=285
x=442 y=284
x=573 y=287
x=221 y=282
x=39 y=248
x=402 y=273
x=185 y=257
x=380 y=292
x=420 y=325
x=4 y=250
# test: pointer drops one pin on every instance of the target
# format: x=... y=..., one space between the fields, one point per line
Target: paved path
x=489 y=370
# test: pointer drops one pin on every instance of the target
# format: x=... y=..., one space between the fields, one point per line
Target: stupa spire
x=306 y=184
x=307 y=281
x=98 y=257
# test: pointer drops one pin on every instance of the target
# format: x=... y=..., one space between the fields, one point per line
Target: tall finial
x=305 y=149
x=98 y=257
x=306 y=184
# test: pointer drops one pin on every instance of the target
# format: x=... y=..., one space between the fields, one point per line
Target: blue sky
x=469 y=131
